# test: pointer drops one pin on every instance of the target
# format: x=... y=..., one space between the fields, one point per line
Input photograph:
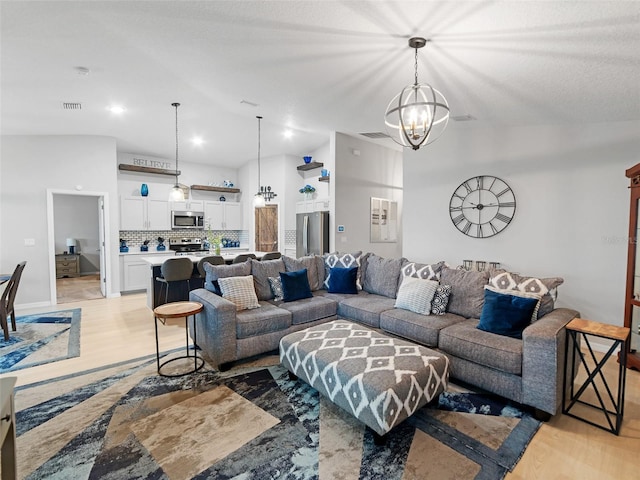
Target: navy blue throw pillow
x=506 y=314
x=343 y=280
x=295 y=285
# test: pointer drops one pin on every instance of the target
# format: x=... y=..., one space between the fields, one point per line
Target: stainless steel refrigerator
x=312 y=233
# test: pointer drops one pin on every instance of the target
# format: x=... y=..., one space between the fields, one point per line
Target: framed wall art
x=383 y=220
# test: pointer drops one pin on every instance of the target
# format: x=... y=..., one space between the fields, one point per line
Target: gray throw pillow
x=309 y=262
x=261 y=271
x=381 y=275
x=467 y=291
x=214 y=272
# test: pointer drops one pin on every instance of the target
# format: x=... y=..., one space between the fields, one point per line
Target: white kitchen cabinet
x=223 y=215
x=144 y=213
x=188 y=206
x=135 y=272
x=315 y=205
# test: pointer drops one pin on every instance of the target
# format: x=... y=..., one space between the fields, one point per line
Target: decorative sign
x=145 y=162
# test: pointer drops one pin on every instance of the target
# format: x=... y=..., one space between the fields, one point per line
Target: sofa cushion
x=276 y=288
x=545 y=287
x=259 y=321
x=295 y=285
x=261 y=271
x=240 y=291
x=425 y=271
x=365 y=308
x=416 y=327
x=440 y=300
x=416 y=295
x=215 y=272
x=381 y=275
x=344 y=260
x=310 y=309
x=467 y=291
x=309 y=262
x=506 y=314
x=464 y=340
x=343 y=280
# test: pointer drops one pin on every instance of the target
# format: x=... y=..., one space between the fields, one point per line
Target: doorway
x=77 y=239
x=266 y=229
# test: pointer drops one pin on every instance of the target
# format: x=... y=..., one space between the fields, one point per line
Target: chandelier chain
x=416 y=67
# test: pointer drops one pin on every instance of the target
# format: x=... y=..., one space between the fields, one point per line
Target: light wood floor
x=118 y=329
x=76 y=289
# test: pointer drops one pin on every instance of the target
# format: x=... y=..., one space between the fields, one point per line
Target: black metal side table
x=620 y=337
x=179 y=310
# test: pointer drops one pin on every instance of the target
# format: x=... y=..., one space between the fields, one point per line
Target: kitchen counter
x=153 y=252
x=179 y=291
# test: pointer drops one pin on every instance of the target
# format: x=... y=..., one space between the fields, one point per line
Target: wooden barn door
x=267 y=228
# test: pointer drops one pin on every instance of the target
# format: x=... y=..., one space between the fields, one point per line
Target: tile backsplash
x=137 y=237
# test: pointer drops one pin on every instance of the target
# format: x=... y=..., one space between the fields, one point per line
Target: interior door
x=266 y=224
x=102 y=251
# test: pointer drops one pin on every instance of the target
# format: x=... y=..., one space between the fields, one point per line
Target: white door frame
x=105 y=250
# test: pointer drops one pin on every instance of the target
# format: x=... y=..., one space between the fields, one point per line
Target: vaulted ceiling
x=310 y=66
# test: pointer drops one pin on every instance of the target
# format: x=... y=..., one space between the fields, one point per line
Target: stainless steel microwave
x=187 y=220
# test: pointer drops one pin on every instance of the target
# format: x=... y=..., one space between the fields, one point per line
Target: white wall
x=30 y=166
x=363 y=170
x=77 y=217
x=572 y=205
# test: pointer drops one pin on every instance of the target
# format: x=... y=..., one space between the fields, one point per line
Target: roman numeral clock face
x=482 y=206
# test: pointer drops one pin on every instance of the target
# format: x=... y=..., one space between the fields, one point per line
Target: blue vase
x=161 y=247
x=144 y=190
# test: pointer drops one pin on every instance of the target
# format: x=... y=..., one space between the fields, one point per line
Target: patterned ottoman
x=380 y=380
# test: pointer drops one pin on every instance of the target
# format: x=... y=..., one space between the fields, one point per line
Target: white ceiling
x=314 y=66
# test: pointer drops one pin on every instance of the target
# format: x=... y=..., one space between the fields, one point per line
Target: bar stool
x=179 y=269
x=212 y=259
x=243 y=257
x=271 y=256
x=179 y=310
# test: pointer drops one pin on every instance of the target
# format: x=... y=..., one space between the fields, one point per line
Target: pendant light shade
x=419 y=113
x=176 y=194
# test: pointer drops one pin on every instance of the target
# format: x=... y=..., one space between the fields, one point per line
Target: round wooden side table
x=179 y=310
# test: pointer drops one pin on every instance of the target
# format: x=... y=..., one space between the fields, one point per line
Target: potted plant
x=215 y=241
x=307 y=190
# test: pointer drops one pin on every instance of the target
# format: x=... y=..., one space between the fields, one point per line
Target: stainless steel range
x=186 y=245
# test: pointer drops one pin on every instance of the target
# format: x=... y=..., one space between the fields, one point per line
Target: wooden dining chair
x=7 y=299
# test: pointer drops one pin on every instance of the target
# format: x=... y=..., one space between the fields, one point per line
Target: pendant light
x=264 y=194
x=419 y=113
x=176 y=194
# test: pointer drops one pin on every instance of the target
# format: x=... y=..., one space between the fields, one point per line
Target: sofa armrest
x=216 y=326
x=543 y=352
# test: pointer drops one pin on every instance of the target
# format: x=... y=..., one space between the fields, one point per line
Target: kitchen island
x=179 y=291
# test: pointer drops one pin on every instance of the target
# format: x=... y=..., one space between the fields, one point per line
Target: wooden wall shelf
x=310 y=166
x=209 y=188
x=136 y=168
x=326 y=178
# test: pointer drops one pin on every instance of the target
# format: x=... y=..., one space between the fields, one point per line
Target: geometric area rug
x=41 y=338
x=249 y=423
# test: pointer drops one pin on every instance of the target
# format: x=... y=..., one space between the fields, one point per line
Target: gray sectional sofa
x=527 y=370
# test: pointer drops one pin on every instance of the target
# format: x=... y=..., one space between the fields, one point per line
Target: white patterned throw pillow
x=546 y=288
x=240 y=291
x=415 y=295
x=341 y=260
x=422 y=270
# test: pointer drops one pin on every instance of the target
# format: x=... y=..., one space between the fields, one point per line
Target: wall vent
x=375 y=135
x=462 y=118
x=71 y=106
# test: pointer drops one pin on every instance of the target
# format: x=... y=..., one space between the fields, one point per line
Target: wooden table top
x=177 y=309
x=604 y=330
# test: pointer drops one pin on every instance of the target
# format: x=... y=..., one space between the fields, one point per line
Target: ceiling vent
x=375 y=135
x=247 y=102
x=71 y=106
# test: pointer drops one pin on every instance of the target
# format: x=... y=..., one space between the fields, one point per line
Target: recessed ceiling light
x=197 y=141
x=287 y=133
x=117 y=109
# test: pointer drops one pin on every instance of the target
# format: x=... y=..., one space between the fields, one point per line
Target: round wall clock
x=482 y=206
